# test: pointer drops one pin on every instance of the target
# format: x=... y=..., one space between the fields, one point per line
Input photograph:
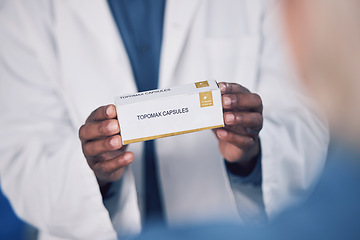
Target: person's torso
x=201 y=40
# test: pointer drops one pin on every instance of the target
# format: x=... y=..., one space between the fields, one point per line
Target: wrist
x=246 y=164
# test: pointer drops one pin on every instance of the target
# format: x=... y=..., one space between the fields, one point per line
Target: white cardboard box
x=167 y=112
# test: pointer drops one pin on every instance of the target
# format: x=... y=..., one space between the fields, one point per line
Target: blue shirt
x=140 y=24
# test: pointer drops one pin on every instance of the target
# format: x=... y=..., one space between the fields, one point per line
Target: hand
x=239 y=139
x=102 y=145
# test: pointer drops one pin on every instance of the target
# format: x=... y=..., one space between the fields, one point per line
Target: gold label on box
x=202 y=84
x=206 y=99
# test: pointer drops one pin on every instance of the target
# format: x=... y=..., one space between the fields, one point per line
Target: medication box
x=168 y=112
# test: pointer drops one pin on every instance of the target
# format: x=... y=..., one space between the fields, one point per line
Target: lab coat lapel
x=254 y=14
x=247 y=69
x=94 y=68
x=93 y=58
x=177 y=21
x=97 y=21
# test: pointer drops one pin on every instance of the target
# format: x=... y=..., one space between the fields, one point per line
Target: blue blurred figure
x=331 y=213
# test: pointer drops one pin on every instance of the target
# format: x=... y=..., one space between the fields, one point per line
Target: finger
x=92 y=161
x=102 y=113
x=100 y=146
x=240 y=141
x=243 y=131
x=244 y=123
x=97 y=130
x=109 y=155
x=112 y=177
x=105 y=168
x=243 y=102
x=251 y=120
x=229 y=88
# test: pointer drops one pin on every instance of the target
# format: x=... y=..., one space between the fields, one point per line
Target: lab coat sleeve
x=294 y=137
x=43 y=171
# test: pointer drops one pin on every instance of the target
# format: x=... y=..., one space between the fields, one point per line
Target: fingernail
x=221 y=133
x=115 y=142
x=128 y=157
x=110 y=111
x=229 y=118
x=227 y=101
x=112 y=127
x=222 y=87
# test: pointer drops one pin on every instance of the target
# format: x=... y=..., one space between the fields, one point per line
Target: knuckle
x=238 y=118
x=256 y=118
x=105 y=144
x=103 y=111
x=87 y=150
x=91 y=164
x=257 y=99
x=231 y=136
x=104 y=168
x=92 y=115
x=97 y=169
x=245 y=89
x=116 y=175
x=229 y=87
x=261 y=120
x=249 y=142
x=82 y=131
x=120 y=159
x=95 y=114
x=99 y=109
x=235 y=100
x=102 y=127
x=102 y=157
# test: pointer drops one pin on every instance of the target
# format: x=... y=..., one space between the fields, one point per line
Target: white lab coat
x=61 y=59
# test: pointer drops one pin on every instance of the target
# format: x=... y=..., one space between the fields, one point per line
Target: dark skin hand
x=102 y=145
x=239 y=139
